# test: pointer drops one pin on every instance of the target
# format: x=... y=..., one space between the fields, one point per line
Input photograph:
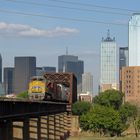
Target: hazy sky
x=45 y=28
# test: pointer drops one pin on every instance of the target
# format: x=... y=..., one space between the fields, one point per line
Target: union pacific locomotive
x=40 y=89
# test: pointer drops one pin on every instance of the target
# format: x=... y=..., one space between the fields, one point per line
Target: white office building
x=134 y=40
x=109 y=63
x=87 y=83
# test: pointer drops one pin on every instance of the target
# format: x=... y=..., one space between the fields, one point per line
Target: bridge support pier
x=26 y=133
x=6 y=130
x=39 y=128
x=61 y=122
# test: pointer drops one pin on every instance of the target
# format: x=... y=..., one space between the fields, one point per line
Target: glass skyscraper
x=63 y=59
x=123 y=57
x=87 y=83
x=70 y=63
x=109 y=64
x=8 y=80
x=25 y=68
x=134 y=40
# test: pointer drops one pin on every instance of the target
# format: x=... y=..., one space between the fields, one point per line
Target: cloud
x=21 y=30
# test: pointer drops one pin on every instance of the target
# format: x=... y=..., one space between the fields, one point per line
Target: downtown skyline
x=47 y=38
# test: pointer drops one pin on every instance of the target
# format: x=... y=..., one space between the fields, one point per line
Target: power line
x=65 y=7
x=91 y=5
x=63 y=18
x=60 y=18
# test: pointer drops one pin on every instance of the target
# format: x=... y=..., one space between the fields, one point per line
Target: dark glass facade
x=49 y=69
x=40 y=71
x=63 y=59
x=25 y=68
x=70 y=63
x=123 y=57
x=8 y=80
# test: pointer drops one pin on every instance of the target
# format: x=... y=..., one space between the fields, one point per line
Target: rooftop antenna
x=66 y=50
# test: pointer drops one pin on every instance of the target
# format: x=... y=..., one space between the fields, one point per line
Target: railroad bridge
x=33 y=120
x=38 y=120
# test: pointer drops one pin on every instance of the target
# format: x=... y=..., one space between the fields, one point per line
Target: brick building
x=130 y=84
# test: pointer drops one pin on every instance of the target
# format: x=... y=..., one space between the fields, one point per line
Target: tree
x=138 y=123
x=80 y=108
x=23 y=95
x=102 y=119
x=127 y=111
x=110 y=98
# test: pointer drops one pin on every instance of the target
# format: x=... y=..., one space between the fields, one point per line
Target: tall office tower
x=8 y=80
x=134 y=40
x=109 y=64
x=87 y=83
x=63 y=59
x=123 y=62
x=25 y=68
x=70 y=63
x=0 y=69
x=123 y=57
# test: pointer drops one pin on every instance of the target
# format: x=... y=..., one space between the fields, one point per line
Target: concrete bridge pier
x=6 y=130
x=26 y=133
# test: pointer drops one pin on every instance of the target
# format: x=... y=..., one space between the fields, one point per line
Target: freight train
x=41 y=89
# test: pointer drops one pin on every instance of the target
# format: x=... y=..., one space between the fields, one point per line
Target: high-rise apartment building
x=0 y=69
x=70 y=63
x=87 y=83
x=130 y=80
x=25 y=68
x=8 y=80
x=134 y=40
x=109 y=64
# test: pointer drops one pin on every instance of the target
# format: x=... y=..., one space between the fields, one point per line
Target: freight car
x=40 y=89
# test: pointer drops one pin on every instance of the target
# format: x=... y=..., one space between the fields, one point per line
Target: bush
x=23 y=95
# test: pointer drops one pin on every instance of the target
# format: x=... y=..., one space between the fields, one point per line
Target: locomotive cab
x=37 y=88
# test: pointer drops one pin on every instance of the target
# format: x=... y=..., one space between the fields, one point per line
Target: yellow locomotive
x=40 y=89
x=37 y=88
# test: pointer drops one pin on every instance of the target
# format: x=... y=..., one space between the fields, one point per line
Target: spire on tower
x=108 y=33
x=66 y=50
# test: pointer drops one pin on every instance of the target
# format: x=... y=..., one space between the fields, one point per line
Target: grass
x=100 y=138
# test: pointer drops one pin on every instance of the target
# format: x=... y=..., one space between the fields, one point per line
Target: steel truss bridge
x=34 y=120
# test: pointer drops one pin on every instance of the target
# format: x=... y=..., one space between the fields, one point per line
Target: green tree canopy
x=102 y=119
x=110 y=98
x=138 y=123
x=80 y=108
x=23 y=95
x=127 y=111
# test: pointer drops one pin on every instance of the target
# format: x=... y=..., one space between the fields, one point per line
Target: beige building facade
x=130 y=84
x=105 y=87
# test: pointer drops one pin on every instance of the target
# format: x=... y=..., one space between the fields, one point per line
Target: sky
x=45 y=28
